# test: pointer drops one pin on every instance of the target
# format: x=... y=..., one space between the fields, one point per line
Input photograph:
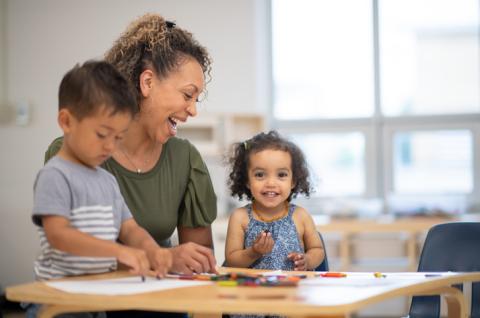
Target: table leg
x=412 y=252
x=456 y=304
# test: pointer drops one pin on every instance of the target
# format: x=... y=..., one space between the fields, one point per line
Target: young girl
x=271 y=232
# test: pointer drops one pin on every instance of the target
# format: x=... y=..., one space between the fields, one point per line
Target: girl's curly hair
x=240 y=159
x=152 y=42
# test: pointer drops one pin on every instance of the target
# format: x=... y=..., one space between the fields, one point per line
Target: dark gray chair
x=449 y=247
x=323 y=267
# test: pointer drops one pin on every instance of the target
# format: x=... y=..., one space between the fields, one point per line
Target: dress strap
x=249 y=211
x=291 y=209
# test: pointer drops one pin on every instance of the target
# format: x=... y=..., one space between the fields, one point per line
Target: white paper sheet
x=123 y=286
x=368 y=280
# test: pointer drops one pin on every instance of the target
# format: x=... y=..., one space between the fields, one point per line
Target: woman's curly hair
x=152 y=42
x=240 y=159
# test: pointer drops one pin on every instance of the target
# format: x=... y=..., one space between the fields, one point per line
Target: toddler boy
x=78 y=207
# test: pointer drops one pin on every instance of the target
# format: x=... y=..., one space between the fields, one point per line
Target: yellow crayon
x=227 y=283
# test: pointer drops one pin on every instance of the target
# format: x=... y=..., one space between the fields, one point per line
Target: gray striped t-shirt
x=91 y=200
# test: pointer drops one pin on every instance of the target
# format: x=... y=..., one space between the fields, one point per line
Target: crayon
x=203 y=277
x=333 y=274
x=379 y=275
x=293 y=278
x=180 y=276
x=227 y=283
x=186 y=277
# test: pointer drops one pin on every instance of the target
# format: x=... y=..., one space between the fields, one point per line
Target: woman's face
x=172 y=100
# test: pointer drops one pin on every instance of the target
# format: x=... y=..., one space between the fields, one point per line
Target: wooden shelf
x=203 y=132
x=240 y=127
x=214 y=133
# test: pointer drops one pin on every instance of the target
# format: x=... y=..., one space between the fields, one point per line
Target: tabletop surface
x=313 y=296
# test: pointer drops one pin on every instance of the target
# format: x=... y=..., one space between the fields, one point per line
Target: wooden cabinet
x=214 y=133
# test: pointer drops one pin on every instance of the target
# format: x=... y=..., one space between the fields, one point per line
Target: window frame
x=379 y=131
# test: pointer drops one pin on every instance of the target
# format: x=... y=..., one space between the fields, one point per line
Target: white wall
x=2 y=51
x=43 y=39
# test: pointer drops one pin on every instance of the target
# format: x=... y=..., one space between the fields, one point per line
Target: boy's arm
x=236 y=255
x=314 y=249
x=132 y=234
x=63 y=237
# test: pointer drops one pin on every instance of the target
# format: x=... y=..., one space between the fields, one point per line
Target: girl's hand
x=161 y=260
x=134 y=258
x=263 y=244
x=299 y=260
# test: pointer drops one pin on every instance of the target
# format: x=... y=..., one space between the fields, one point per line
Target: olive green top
x=177 y=191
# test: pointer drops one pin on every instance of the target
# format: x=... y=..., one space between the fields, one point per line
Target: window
x=429 y=58
x=343 y=154
x=313 y=42
x=384 y=99
x=433 y=162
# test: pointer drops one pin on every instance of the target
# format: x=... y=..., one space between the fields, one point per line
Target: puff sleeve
x=199 y=207
x=53 y=149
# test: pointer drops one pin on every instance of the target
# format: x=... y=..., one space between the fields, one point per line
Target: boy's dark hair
x=95 y=84
x=239 y=162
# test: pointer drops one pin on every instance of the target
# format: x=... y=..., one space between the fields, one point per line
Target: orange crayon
x=333 y=274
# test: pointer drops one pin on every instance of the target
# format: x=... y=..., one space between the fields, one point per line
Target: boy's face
x=93 y=139
x=270 y=178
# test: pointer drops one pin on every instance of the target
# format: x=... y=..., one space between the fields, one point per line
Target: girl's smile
x=270 y=179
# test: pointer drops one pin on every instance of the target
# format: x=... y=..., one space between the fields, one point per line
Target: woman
x=163 y=179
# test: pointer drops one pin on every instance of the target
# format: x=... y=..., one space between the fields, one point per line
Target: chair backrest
x=449 y=247
x=323 y=267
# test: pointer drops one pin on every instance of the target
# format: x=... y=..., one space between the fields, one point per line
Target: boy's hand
x=263 y=244
x=299 y=260
x=161 y=260
x=134 y=258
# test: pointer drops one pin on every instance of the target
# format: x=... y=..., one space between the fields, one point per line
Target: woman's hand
x=161 y=260
x=263 y=244
x=189 y=258
x=299 y=260
x=135 y=259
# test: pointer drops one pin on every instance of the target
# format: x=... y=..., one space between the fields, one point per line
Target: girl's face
x=270 y=179
x=172 y=100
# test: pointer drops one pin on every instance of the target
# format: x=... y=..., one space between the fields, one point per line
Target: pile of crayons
x=241 y=279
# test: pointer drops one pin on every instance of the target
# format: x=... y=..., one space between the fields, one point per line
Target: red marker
x=333 y=274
